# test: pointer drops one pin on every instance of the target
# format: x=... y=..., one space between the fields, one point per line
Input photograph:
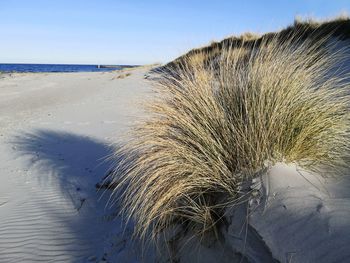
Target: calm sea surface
x=55 y=68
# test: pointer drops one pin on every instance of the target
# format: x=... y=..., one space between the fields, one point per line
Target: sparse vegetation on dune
x=310 y=29
x=122 y=76
x=214 y=126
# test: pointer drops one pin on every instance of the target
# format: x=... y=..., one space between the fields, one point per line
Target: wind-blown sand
x=55 y=133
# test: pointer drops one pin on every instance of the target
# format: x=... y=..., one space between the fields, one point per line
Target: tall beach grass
x=213 y=125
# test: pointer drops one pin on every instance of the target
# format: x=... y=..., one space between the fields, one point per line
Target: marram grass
x=213 y=126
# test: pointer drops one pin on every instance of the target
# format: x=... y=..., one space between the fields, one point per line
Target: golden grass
x=211 y=128
x=308 y=28
x=123 y=76
x=316 y=22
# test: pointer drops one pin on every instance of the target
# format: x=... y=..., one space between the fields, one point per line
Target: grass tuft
x=214 y=126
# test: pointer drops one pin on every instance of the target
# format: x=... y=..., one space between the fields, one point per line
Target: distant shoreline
x=58 y=68
x=118 y=66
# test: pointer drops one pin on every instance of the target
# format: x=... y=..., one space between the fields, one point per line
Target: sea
x=59 y=68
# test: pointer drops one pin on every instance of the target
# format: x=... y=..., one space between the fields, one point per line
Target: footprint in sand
x=3 y=202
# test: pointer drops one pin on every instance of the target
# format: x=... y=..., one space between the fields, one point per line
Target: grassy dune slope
x=306 y=29
x=215 y=126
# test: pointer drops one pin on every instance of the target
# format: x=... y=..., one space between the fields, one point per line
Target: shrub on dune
x=214 y=126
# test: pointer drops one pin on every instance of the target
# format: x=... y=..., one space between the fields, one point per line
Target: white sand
x=54 y=135
x=306 y=218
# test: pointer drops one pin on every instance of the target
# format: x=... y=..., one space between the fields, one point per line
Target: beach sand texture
x=56 y=131
x=55 y=134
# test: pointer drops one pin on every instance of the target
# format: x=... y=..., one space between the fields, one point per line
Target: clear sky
x=135 y=31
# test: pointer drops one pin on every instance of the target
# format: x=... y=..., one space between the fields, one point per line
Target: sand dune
x=304 y=218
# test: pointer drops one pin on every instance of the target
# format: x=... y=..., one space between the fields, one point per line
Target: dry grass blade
x=214 y=125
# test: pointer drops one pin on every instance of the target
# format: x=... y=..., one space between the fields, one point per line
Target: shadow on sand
x=64 y=168
x=76 y=161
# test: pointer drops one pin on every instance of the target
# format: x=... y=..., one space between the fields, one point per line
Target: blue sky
x=135 y=31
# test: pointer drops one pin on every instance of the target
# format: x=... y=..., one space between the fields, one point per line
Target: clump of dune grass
x=214 y=126
x=122 y=76
x=316 y=22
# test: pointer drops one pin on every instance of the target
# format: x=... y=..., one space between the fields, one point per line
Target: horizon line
x=87 y=64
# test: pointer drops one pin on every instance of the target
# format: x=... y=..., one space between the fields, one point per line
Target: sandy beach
x=55 y=134
x=175 y=131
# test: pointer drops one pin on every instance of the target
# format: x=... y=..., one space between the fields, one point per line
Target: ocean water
x=57 y=68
